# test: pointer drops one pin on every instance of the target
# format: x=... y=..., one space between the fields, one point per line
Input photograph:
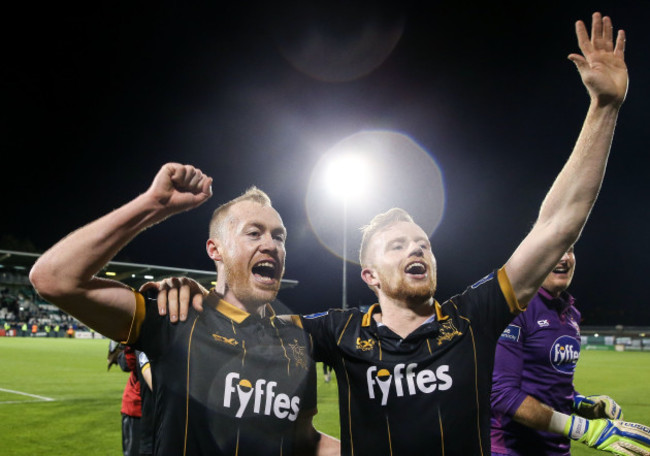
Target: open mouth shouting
x=416 y=269
x=266 y=272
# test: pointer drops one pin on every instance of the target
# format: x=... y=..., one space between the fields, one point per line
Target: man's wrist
x=558 y=422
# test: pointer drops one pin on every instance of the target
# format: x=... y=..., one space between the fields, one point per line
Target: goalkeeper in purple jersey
x=533 y=377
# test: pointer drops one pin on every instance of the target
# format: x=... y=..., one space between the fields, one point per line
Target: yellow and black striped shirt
x=428 y=393
x=225 y=382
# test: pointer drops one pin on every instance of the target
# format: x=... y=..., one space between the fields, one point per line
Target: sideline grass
x=84 y=417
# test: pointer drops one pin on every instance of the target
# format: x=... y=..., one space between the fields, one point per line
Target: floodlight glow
x=386 y=169
x=148 y=277
x=347 y=175
x=110 y=273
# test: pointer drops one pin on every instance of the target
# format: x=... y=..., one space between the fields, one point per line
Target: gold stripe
x=138 y=318
x=347 y=380
x=390 y=442
x=243 y=355
x=187 y=396
x=295 y=319
x=439 y=314
x=508 y=292
x=367 y=317
x=284 y=349
x=478 y=407
x=338 y=342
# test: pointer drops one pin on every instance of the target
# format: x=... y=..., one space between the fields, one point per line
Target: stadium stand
x=22 y=309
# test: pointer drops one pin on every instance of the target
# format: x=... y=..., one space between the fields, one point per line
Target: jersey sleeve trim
x=508 y=292
x=138 y=318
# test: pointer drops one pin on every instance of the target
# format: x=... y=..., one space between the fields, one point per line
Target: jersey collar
x=235 y=313
x=562 y=302
x=375 y=308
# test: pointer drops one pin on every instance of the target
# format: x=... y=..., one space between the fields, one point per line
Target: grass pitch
x=56 y=397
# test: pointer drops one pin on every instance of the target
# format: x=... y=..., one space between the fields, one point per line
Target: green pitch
x=57 y=398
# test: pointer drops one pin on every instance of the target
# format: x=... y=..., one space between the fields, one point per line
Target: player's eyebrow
x=397 y=240
x=423 y=239
x=263 y=227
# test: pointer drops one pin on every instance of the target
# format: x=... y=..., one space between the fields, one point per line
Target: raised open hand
x=602 y=65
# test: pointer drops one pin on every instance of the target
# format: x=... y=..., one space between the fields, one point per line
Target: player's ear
x=214 y=249
x=369 y=276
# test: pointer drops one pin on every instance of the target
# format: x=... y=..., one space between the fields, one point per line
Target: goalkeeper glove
x=597 y=407
x=618 y=437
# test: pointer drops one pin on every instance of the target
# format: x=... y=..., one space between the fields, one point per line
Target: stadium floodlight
x=347 y=175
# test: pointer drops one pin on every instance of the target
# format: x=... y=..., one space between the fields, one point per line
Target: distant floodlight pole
x=346 y=176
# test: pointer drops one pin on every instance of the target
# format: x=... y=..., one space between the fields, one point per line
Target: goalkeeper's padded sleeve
x=618 y=437
x=597 y=406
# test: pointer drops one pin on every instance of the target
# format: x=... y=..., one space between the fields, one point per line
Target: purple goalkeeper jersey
x=536 y=356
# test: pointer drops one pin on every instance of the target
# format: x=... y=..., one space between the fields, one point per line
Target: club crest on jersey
x=564 y=354
x=265 y=400
x=226 y=340
x=365 y=345
x=447 y=332
x=405 y=381
x=299 y=354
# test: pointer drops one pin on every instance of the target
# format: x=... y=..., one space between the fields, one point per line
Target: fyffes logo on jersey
x=564 y=354
x=265 y=401
x=404 y=380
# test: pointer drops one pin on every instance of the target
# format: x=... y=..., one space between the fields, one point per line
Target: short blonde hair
x=378 y=223
x=253 y=194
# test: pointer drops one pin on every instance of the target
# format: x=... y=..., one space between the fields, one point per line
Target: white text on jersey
x=279 y=405
x=425 y=381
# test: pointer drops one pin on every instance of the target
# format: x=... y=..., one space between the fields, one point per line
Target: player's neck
x=254 y=308
x=403 y=318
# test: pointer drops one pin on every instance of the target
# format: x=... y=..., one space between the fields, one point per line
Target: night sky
x=96 y=99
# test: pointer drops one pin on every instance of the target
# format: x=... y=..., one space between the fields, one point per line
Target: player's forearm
x=567 y=205
x=534 y=414
x=574 y=192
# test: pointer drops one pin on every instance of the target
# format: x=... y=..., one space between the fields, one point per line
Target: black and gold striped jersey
x=225 y=382
x=428 y=393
